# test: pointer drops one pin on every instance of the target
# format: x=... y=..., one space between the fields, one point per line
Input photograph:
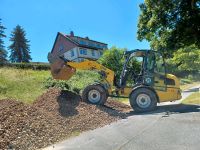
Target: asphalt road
x=174 y=127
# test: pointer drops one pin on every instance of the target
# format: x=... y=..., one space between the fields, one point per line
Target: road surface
x=174 y=127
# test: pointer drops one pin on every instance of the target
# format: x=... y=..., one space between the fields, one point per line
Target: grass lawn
x=24 y=85
x=188 y=83
x=192 y=99
x=27 y=85
x=187 y=86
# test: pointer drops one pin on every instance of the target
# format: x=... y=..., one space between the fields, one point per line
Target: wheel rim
x=143 y=100
x=94 y=96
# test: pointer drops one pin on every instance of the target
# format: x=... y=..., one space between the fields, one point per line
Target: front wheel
x=95 y=94
x=143 y=99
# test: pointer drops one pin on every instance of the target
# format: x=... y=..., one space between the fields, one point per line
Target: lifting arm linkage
x=93 y=65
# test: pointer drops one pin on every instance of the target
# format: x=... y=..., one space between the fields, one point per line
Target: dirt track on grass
x=54 y=116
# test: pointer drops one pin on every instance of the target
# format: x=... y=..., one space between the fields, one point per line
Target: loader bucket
x=60 y=70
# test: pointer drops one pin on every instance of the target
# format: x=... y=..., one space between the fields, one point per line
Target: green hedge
x=50 y=82
x=34 y=66
x=78 y=82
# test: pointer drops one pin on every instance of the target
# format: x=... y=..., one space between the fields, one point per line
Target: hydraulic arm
x=93 y=65
x=64 y=69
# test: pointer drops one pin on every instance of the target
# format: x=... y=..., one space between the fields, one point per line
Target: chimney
x=87 y=38
x=71 y=33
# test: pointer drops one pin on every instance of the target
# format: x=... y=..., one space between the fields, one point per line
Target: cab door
x=159 y=73
x=155 y=71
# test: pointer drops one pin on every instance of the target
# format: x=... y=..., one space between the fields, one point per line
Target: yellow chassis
x=164 y=92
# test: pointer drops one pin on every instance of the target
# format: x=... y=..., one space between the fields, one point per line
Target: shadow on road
x=192 y=90
x=69 y=101
x=171 y=109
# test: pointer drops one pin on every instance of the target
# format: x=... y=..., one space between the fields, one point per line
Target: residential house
x=75 y=48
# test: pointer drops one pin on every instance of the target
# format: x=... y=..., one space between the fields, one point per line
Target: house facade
x=75 y=48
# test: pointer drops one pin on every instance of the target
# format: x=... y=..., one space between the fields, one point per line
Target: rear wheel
x=95 y=94
x=143 y=99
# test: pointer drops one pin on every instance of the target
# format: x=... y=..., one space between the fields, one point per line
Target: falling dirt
x=54 y=116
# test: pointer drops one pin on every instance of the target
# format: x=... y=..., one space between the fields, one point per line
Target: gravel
x=54 y=116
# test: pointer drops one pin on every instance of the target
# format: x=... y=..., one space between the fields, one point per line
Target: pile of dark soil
x=54 y=116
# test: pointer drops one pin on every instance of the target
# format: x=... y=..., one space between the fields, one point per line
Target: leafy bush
x=33 y=66
x=77 y=83
x=185 y=81
x=113 y=59
x=50 y=82
x=185 y=63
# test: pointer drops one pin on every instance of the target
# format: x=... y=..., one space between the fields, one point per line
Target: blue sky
x=111 y=21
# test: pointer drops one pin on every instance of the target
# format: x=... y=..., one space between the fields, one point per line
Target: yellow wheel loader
x=144 y=88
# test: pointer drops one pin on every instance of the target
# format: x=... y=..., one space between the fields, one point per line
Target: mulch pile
x=54 y=116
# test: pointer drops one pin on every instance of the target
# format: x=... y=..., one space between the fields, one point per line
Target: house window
x=89 y=44
x=61 y=47
x=93 y=53
x=98 y=45
x=82 y=42
x=92 y=44
x=105 y=47
x=80 y=59
x=83 y=51
x=72 y=53
x=101 y=53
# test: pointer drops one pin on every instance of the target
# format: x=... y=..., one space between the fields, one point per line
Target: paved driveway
x=174 y=127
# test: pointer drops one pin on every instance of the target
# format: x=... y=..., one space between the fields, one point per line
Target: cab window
x=155 y=63
x=159 y=64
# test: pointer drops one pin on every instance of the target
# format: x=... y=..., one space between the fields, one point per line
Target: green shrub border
x=33 y=66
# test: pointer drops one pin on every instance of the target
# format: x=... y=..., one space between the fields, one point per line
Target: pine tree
x=19 y=49
x=3 y=52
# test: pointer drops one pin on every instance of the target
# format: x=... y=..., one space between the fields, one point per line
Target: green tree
x=3 y=52
x=185 y=61
x=170 y=24
x=113 y=59
x=19 y=49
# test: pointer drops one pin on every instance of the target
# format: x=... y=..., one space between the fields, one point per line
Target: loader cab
x=145 y=67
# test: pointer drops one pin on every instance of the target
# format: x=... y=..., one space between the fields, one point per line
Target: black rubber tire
x=100 y=89
x=136 y=93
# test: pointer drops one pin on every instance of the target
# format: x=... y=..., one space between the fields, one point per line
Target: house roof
x=86 y=39
x=82 y=42
x=85 y=42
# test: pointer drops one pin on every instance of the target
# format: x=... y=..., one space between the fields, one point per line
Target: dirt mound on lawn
x=54 y=116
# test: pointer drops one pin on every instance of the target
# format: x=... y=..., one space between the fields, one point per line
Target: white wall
x=78 y=56
x=89 y=53
x=67 y=54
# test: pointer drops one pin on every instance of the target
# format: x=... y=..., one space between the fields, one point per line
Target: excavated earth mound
x=54 y=116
